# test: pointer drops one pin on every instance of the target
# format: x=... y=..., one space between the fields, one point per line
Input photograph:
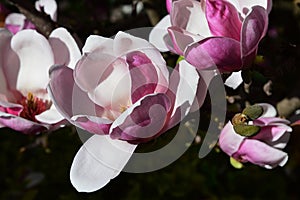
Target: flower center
x=33 y=106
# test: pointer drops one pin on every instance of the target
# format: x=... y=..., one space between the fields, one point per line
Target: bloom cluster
x=121 y=90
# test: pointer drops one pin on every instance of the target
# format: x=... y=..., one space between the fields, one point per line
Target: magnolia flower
x=226 y=33
x=265 y=147
x=121 y=91
x=25 y=60
x=15 y=22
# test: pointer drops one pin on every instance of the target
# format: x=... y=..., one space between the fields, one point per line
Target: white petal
x=269 y=110
x=125 y=43
x=187 y=86
x=115 y=89
x=36 y=58
x=49 y=7
x=50 y=116
x=15 y=19
x=98 y=42
x=159 y=33
x=65 y=49
x=234 y=80
x=99 y=160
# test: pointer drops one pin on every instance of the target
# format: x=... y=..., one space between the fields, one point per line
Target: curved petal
x=229 y=141
x=223 y=19
x=158 y=35
x=234 y=80
x=261 y=154
x=190 y=15
x=223 y=52
x=10 y=108
x=269 y=110
x=68 y=99
x=36 y=58
x=102 y=44
x=181 y=39
x=48 y=6
x=99 y=160
x=183 y=88
x=142 y=121
x=65 y=49
x=272 y=133
x=254 y=28
x=169 y=5
x=20 y=124
x=144 y=78
x=264 y=121
x=114 y=88
x=92 y=124
x=51 y=116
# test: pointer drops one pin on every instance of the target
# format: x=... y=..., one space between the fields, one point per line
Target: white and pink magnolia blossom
x=121 y=91
x=16 y=22
x=265 y=147
x=226 y=33
x=25 y=60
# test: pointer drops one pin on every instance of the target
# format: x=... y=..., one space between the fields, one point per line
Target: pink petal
x=264 y=121
x=223 y=19
x=254 y=29
x=92 y=124
x=68 y=99
x=99 y=160
x=36 y=58
x=190 y=15
x=65 y=49
x=143 y=120
x=20 y=124
x=261 y=154
x=222 y=52
x=229 y=141
x=169 y=5
x=181 y=39
x=143 y=75
x=10 y=108
x=272 y=133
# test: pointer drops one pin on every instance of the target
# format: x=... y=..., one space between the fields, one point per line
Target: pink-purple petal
x=216 y=51
x=143 y=121
x=253 y=30
x=229 y=141
x=261 y=154
x=223 y=19
x=182 y=38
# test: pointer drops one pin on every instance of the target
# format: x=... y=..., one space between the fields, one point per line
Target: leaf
x=246 y=130
x=253 y=112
